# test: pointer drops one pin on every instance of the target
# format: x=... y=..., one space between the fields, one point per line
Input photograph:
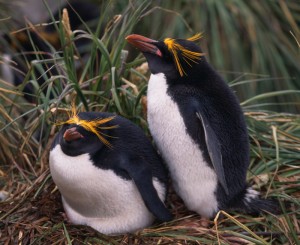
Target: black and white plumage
x=199 y=128
x=113 y=189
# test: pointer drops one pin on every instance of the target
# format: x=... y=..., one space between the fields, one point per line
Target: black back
x=128 y=141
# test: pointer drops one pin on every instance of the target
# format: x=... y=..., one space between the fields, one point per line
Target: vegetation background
x=253 y=44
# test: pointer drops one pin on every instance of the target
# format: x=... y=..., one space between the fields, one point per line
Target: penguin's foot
x=196 y=223
x=205 y=222
x=65 y=217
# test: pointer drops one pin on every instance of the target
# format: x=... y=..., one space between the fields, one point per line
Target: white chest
x=90 y=190
x=98 y=197
x=193 y=180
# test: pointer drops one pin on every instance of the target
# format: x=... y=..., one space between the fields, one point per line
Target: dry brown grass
x=33 y=214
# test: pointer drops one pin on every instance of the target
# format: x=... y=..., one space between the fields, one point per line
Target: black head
x=173 y=57
x=85 y=133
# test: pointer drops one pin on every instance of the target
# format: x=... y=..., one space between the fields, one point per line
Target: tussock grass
x=103 y=76
x=250 y=36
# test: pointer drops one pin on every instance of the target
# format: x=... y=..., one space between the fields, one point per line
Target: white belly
x=99 y=198
x=193 y=180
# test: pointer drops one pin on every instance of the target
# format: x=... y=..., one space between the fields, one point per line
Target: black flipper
x=214 y=150
x=140 y=171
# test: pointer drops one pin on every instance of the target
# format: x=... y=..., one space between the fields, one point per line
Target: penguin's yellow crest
x=93 y=125
x=181 y=53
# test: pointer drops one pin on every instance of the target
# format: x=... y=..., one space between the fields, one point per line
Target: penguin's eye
x=182 y=54
x=164 y=51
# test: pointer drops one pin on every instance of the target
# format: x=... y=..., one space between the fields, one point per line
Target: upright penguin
x=199 y=128
x=108 y=173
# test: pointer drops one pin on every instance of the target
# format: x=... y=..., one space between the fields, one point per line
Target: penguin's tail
x=251 y=203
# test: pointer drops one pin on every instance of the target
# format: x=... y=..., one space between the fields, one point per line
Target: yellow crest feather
x=196 y=37
x=93 y=126
x=181 y=53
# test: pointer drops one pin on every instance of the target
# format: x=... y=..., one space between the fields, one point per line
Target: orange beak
x=144 y=44
x=72 y=134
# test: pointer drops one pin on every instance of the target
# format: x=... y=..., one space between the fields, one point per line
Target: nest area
x=33 y=214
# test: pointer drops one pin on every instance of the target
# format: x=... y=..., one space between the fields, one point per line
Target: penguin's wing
x=141 y=173
x=214 y=150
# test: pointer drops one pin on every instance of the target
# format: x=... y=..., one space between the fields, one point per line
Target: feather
x=182 y=54
x=93 y=126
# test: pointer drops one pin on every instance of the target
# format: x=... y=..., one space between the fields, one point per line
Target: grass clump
x=259 y=38
x=95 y=66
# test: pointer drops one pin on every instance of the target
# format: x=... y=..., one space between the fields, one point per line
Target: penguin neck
x=200 y=77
